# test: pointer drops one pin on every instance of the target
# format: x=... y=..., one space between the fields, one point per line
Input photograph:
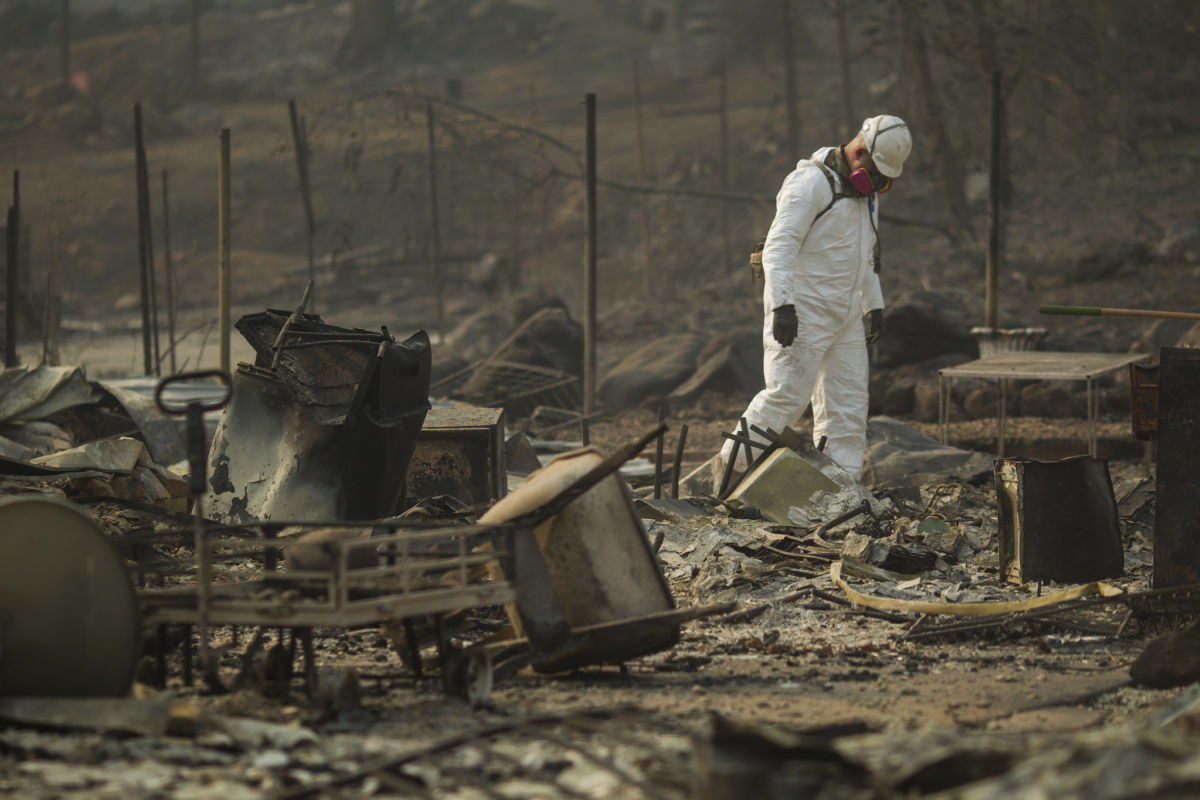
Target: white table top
x=1042 y=365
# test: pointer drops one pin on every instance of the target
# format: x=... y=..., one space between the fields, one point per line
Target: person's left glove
x=874 y=325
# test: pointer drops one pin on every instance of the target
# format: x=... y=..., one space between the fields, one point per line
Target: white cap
x=889 y=143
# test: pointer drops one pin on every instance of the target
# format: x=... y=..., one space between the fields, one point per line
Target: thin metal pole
x=12 y=284
x=658 y=454
x=139 y=152
x=223 y=274
x=994 y=181
x=194 y=47
x=169 y=269
x=300 y=144
x=789 y=79
x=726 y=259
x=589 y=265
x=64 y=38
x=678 y=465
x=647 y=277
x=433 y=206
x=848 y=121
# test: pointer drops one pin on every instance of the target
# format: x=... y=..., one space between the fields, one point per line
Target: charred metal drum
x=69 y=622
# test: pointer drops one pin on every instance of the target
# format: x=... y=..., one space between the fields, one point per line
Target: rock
x=1191 y=338
x=651 y=371
x=1163 y=333
x=899 y=455
x=550 y=338
x=733 y=367
x=478 y=335
x=921 y=325
x=1182 y=242
x=981 y=403
x=1170 y=660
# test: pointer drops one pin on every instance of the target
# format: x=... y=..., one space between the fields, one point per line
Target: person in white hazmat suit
x=821 y=297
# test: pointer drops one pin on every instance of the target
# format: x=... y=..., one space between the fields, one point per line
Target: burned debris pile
x=348 y=533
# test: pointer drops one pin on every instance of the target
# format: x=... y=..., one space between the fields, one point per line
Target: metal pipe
x=589 y=265
x=169 y=269
x=787 y=29
x=224 y=270
x=726 y=258
x=194 y=47
x=994 y=181
x=143 y=202
x=658 y=454
x=647 y=279
x=437 y=242
x=300 y=145
x=12 y=273
x=683 y=432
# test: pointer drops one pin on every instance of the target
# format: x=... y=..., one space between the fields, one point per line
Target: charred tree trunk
x=372 y=25
x=931 y=118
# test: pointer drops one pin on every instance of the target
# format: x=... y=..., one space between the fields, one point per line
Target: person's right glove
x=784 y=325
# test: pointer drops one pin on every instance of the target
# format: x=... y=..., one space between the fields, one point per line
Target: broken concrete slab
x=788 y=487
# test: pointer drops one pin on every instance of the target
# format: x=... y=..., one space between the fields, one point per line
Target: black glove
x=784 y=325
x=874 y=322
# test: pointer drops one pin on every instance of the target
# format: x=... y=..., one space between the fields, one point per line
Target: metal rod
x=726 y=249
x=12 y=272
x=300 y=145
x=64 y=38
x=194 y=47
x=169 y=269
x=787 y=30
x=148 y=231
x=283 y=329
x=1100 y=311
x=683 y=432
x=224 y=270
x=658 y=454
x=589 y=265
x=849 y=123
x=433 y=205
x=143 y=203
x=994 y=180
x=647 y=278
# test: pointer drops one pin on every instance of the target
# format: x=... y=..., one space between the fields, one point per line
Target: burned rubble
x=453 y=525
x=571 y=624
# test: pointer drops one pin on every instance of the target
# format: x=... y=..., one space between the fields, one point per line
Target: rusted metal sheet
x=1143 y=385
x=459 y=452
x=1177 y=493
x=1057 y=520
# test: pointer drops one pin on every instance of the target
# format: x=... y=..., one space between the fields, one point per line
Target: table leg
x=942 y=413
x=1091 y=415
x=1002 y=417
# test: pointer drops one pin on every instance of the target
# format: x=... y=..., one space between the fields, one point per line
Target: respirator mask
x=866 y=182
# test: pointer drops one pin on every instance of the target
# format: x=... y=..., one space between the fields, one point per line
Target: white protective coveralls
x=824 y=269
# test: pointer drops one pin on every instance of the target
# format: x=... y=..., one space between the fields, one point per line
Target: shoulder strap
x=835 y=195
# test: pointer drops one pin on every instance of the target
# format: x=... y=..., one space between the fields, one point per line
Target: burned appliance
x=322 y=426
x=1057 y=520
